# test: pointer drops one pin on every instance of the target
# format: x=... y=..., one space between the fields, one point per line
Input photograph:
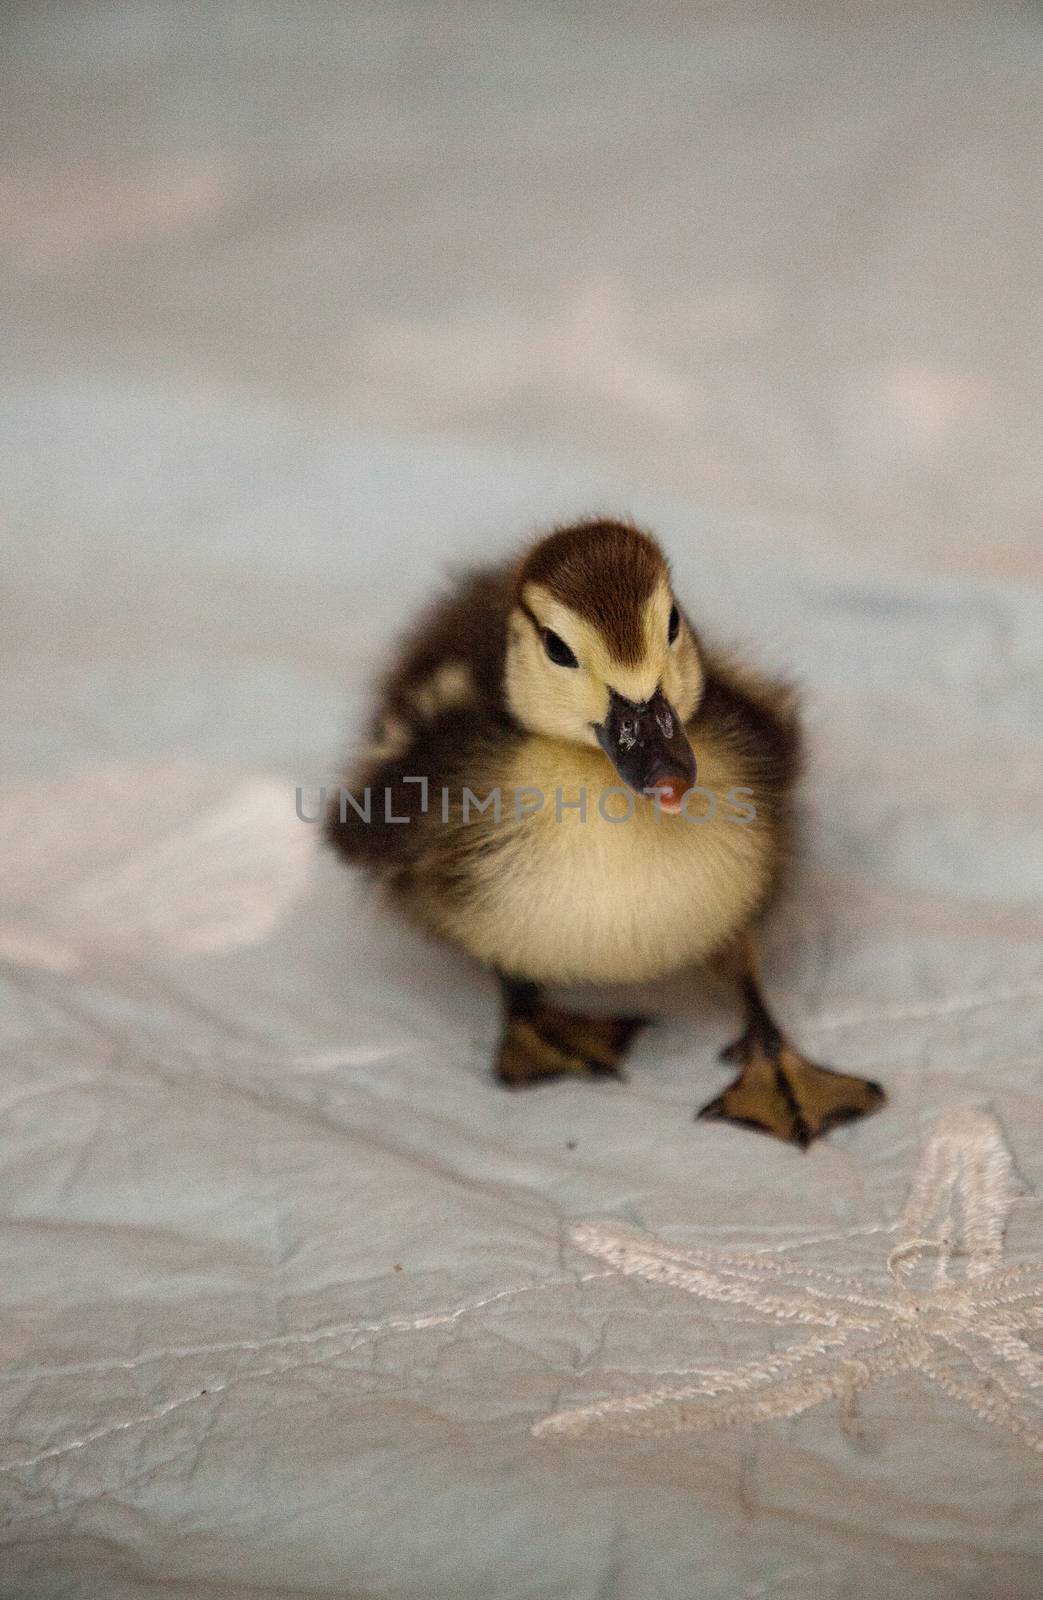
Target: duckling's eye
x=674 y=627
x=558 y=650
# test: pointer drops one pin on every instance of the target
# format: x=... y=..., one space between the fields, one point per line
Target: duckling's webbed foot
x=779 y=1091
x=541 y=1041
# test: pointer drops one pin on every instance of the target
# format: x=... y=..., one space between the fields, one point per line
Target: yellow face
x=570 y=701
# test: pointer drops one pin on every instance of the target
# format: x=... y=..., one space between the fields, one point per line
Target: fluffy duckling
x=567 y=782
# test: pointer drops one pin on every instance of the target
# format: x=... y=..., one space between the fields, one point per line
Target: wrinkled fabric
x=304 y=307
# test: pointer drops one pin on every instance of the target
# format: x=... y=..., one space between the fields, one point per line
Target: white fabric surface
x=303 y=304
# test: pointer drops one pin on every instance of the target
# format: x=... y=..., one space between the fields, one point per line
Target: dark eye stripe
x=557 y=649
x=675 y=625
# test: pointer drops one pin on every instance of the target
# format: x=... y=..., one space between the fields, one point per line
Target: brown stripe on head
x=604 y=572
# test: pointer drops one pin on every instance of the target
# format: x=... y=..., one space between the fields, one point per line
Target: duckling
x=567 y=781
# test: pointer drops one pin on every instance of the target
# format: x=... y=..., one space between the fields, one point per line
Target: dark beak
x=648 y=747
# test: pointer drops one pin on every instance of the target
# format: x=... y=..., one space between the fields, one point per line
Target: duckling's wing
x=755 y=716
x=439 y=722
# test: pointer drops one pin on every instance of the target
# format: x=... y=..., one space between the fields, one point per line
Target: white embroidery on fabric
x=337 y=1341
x=952 y=1311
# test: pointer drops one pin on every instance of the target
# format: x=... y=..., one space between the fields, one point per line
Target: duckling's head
x=600 y=653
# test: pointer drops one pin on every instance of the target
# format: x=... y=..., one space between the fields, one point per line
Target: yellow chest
x=593 y=885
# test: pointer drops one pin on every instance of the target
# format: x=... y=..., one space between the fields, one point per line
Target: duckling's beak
x=648 y=747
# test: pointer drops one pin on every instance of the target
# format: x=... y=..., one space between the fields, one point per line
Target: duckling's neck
x=547 y=764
